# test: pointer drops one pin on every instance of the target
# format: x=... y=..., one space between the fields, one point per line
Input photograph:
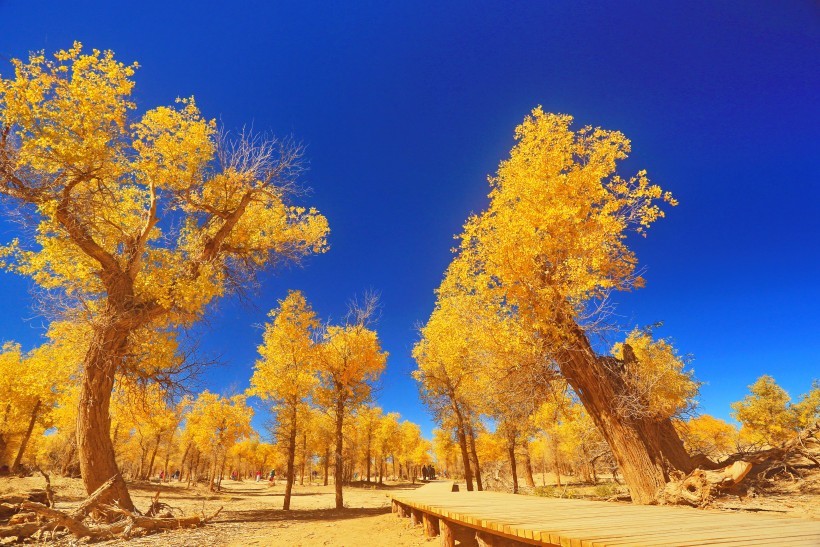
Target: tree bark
x=290 y=474
x=474 y=457
x=304 y=459
x=340 y=414
x=327 y=463
x=153 y=459
x=462 y=442
x=511 y=456
x=368 y=459
x=182 y=462
x=528 y=477
x=644 y=448
x=16 y=466
x=98 y=462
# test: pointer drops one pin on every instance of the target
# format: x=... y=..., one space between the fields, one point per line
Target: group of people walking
x=428 y=472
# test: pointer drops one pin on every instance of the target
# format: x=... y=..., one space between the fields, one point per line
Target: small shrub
x=544 y=491
x=605 y=490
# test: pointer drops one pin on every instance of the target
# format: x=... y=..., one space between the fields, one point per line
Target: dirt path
x=252 y=515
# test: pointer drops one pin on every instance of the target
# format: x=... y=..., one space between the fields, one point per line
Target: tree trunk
x=462 y=441
x=165 y=467
x=556 y=460
x=221 y=472
x=327 y=463
x=527 y=463
x=153 y=459
x=98 y=462
x=511 y=456
x=182 y=462
x=16 y=466
x=340 y=415
x=290 y=473
x=474 y=457
x=644 y=448
x=368 y=460
x=69 y=458
x=304 y=459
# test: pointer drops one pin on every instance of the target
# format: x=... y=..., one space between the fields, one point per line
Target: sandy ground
x=252 y=514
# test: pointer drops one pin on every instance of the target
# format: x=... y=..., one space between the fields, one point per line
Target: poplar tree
x=137 y=225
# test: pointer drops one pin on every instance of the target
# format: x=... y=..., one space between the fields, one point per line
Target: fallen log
x=40 y=496
x=8 y=509
x=701 y=486
x=20 y=531
x=86 y=506
x=58 y=518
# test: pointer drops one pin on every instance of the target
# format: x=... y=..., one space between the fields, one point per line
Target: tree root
x=36 y=518
x=131 y=524
x=702 y=485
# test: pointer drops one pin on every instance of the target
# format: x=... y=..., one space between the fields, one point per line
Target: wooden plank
x=595 y=524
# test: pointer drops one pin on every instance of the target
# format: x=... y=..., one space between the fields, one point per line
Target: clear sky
x=406 y=107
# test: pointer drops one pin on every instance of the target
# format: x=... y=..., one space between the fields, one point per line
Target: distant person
x=258 y=476
x=432 y=472
x=272 y=476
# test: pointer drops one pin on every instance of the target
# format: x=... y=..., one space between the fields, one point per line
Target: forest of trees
x=521 y=337
x=132 y=229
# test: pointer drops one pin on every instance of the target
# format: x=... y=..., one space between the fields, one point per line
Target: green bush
x=605 y=490
x=544 y=491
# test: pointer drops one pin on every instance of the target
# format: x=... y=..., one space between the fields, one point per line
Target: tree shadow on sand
x=277 y=515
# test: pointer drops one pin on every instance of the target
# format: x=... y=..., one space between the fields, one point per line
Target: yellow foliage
x=657 y=380
x=216 y=423
x=808 y=407
x=101 y=187
x=285 y=373
x=350 y=358
x=556 y=226
x=765 y=414
x=707 y=435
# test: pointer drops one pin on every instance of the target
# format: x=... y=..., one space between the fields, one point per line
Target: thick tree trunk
x=16 y=466
x=525 y=445
x=644 y=448
x=474 y=457
x=462 y=442
x=98 y=462
x=340 y=414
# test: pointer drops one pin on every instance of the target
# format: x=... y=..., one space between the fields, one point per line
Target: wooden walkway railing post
x=431 y=526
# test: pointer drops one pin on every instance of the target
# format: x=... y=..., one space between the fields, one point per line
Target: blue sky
x=407 y=107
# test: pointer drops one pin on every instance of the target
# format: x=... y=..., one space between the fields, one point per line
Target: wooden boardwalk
x=491 y=518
